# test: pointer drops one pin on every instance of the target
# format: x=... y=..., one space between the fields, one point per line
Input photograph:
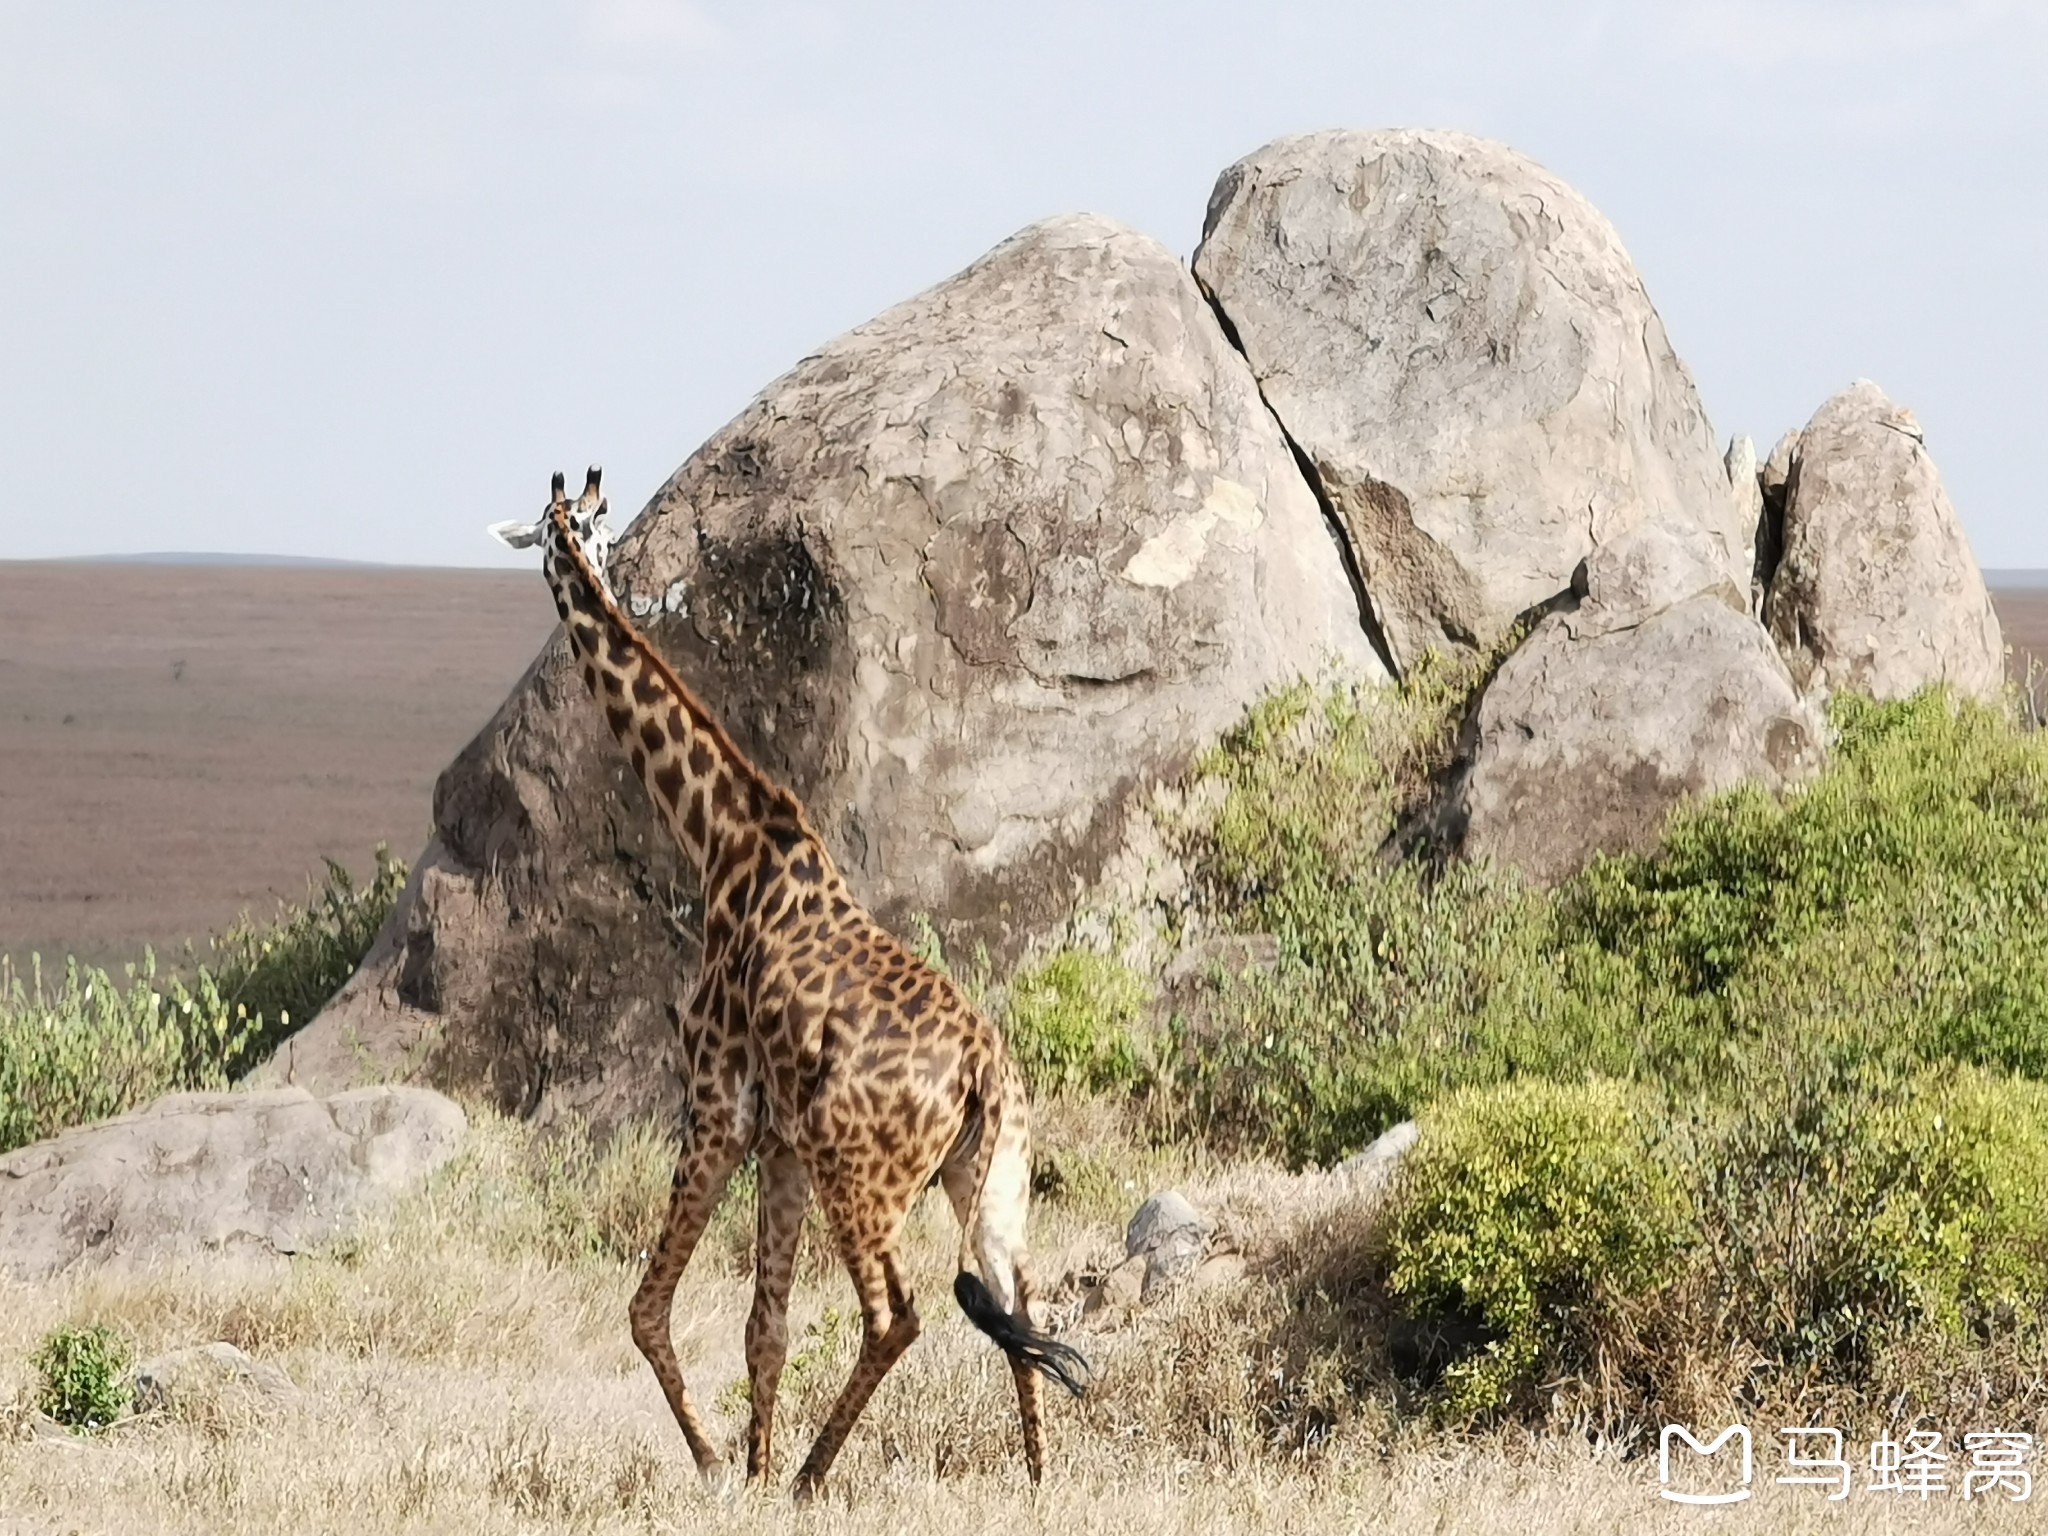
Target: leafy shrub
x=92 y=1046
x=1072 y=1020
x=1910 y=876
x=84 y=1373
x=1889 y=912
x=1849 y=1210
x=288 y=970
x=1531 y=1208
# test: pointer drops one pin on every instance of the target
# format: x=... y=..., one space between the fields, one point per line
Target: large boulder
x=1876 y=588
x=1658 y=685
x=1458 y=345
x=964 y=579
x=261 y=1174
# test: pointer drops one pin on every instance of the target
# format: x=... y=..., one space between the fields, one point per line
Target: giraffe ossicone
x=814 y=1041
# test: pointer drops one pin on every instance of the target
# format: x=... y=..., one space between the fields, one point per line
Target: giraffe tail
x=1019 y=1340
x=1012 y=1331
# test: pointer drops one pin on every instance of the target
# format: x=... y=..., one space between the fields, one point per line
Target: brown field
x=180 y=742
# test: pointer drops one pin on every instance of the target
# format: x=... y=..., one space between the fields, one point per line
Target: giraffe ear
x=516 y=535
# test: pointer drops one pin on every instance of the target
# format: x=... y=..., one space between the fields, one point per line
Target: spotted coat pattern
x=814 y=1041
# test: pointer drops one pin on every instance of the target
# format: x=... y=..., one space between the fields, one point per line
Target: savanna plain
x=1751 y=1129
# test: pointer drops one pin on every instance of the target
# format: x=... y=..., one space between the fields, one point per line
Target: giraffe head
x=581 y=522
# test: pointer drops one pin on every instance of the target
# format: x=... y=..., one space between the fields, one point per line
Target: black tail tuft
x=1062 y=1362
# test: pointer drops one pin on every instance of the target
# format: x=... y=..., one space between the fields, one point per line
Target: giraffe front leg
x=785 y=1191
x=712 y=1149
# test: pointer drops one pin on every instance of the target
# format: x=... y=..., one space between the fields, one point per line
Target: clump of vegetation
x=1535 y=1210
x=1831 y=1009
x=89 y=1046
x=84 y=1376
x=288 y=970
x=1890 y=910
x=1073 y=1022
x=1847 y=1213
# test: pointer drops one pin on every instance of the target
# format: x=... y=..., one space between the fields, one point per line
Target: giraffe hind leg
x=1030 y=1416
x=710 y=1155
x=785 y=1192
x=890 y=1326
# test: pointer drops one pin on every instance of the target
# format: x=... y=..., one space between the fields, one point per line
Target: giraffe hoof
x=719 y=1481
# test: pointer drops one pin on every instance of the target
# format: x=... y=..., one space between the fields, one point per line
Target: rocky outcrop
x=1658 y=685
x=1458 y=345
x=1876 y=588
x=964 y=579
x=260 y=1174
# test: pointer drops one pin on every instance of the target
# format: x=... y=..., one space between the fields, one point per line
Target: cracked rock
x=1876 y=588
x=1460 y=346
x=1170 y=1235
x=218 y=1373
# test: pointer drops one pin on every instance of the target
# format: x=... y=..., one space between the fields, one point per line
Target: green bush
x=1072 y=1022
x=1834 y=1007
x=1533 y=1209
x=1889 y=912
x=90 y=1046
x=1849 y=1210
x=287 y=971
x=1914 y=870
x=84 y=1371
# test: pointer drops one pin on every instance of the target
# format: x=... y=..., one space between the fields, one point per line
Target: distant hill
x=2024 y=581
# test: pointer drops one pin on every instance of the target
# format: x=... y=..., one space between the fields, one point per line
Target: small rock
x=1116 y=1293
x=1218 y=1269
x=40 y=1426
x=1169 y=1234
x=210 y=1370
x=1231 y=953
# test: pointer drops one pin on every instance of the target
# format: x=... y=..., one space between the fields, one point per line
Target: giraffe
x=814 y=1040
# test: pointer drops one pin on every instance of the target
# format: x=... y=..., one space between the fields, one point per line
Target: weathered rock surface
x=215 y=1373
x=261 y=1173
x=1876 y=589
x=1458 y=344
x=963 y=579
x=1659 y=685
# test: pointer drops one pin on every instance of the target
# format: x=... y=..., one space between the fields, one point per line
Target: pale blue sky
x=351 y=280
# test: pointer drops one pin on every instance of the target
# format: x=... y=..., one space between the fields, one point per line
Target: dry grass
x=466 y=1366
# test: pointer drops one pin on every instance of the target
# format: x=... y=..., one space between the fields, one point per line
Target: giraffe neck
x=703 y=786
